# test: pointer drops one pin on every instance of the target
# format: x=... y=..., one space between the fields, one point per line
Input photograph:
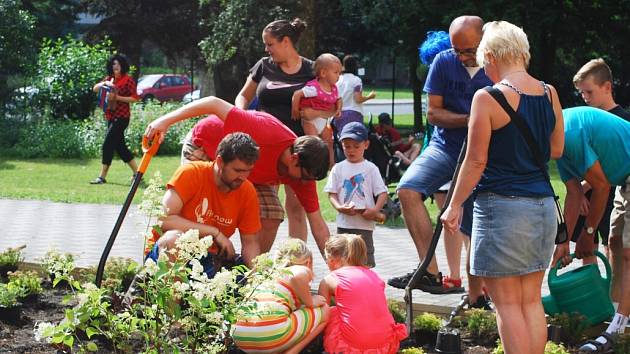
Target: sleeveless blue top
x=511 y=169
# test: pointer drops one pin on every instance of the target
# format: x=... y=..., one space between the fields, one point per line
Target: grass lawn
x=66 y=180
x=386 y=92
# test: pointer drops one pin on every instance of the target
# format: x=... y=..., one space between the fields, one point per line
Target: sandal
x=602 y=348
x=98 y=180
x=453 y=285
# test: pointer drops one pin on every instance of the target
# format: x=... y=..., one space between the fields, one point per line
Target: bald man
x=453 y=78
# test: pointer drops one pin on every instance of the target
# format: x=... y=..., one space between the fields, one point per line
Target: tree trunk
x=416 y=87
x=308 y=38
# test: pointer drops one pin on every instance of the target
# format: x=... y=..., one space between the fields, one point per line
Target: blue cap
x=355 y=131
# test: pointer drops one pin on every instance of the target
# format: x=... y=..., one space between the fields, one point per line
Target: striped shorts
x=276 y=335
x=192 y=152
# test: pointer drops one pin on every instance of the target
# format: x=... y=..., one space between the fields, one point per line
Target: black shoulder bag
x=561 y=235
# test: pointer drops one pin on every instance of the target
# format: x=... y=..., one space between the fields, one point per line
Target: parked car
x=163 y=87
x=191 y=96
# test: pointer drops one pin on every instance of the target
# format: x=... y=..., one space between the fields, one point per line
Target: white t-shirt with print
x=358 y=183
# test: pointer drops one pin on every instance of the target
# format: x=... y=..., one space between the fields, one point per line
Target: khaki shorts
x=192 y=152
x=620 y=215
x=270 y=206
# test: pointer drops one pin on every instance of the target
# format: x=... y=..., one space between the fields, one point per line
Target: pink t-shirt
x=315 y=97
x=273 y=138
x=360 y=300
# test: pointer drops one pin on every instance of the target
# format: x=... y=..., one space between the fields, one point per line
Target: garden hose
x=149 y=151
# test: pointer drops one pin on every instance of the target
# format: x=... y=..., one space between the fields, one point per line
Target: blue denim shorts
x=512 y=235
x=430 y=171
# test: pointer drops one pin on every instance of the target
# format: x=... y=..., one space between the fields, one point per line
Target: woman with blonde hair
x=514 y=215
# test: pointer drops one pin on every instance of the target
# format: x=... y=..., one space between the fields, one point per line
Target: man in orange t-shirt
x=215 y=198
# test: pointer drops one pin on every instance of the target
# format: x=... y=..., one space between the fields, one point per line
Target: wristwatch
x=589 y=230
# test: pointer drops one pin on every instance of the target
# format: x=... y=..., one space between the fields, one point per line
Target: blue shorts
x=512 y=236
x=208 y=262
x=430 y=171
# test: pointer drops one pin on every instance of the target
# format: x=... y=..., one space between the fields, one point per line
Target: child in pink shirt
x=360 y=322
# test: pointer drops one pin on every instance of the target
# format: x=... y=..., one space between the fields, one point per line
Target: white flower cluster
x=43 y=330
x=151 y=204
x=190 y=246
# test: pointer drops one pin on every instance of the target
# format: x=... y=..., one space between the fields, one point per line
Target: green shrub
x=553 y=348
x=26 y=283
x=499 y=348
x=413 y=350
x=573 y=326
x=8 y=296
x=67 y=69
x=397 y=311
x=427 y=322
x=11 y=257
x=482 y=323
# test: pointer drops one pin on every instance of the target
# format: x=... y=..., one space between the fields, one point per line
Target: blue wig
x=436 y=42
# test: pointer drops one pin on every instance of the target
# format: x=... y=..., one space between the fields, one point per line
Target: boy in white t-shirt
x=352 y=186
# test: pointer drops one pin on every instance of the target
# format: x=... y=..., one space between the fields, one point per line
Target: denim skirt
x=511 y=236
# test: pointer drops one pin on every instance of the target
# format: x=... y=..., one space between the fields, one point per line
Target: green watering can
x=581 y=290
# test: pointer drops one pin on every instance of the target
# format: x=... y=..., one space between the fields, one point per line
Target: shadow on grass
x=5 y=165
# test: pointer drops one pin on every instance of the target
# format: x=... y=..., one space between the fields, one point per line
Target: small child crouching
x=352 y=329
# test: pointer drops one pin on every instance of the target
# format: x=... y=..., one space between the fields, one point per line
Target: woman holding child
x=273 y=80
x=514 y=215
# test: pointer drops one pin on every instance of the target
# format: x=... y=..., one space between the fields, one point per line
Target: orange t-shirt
x=206 y=204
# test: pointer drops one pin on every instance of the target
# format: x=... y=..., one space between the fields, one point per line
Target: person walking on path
x=121 y=92
x=453 y=78
x=273 y=80
x=284 y=159
x=597 y=149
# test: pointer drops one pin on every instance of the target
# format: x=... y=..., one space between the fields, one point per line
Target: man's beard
x=232 y=185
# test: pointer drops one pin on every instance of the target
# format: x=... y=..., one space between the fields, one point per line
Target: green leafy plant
x=177 y=310
x=413 y=350
x=59 y=267
x=8 y=296
x=553 y=348
x=397 y=310
x=499 y=348
x=573 y=325
x=26 y=283
x=482 y=323
x=11 y=257
x=427 y=322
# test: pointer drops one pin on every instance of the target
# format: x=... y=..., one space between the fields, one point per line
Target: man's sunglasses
x=466 y=51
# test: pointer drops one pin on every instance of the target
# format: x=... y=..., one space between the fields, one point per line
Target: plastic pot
x=448 y=341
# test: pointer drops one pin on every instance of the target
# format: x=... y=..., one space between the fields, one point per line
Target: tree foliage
x=17 y=47
x=66 y=71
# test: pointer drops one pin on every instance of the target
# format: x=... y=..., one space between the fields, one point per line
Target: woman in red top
x=122 y=92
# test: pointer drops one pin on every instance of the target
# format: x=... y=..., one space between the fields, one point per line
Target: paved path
x=83 y=229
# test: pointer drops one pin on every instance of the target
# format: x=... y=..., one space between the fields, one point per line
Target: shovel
x=149 y=151
x=434 y=241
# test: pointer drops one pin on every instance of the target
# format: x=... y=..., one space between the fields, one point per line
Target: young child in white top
x=352 y=186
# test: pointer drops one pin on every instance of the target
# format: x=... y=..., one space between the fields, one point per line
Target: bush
x=67 y=69
x=26 y=283
x=397 y=311
x=11 y=257
x=573 y=326
x=427 y=322
x=482 y=323
x=65 y=138
x=414 y=350
x=622 y=343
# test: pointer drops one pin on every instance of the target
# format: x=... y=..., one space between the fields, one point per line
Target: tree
x=17 y=46
x=67 y=70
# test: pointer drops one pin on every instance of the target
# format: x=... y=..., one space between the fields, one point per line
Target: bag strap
x=522 y=126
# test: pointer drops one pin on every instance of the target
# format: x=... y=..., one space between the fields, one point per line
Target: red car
x=163 y=87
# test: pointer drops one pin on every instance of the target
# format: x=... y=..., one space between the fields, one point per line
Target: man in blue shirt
x=453 y=79
x=597 y=149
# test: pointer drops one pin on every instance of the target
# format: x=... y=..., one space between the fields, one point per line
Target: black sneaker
x=401 y=281
x=482 y=303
